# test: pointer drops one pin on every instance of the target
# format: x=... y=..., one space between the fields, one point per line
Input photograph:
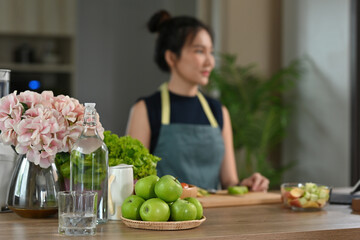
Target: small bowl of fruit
x=304 y=196
x=188 y=190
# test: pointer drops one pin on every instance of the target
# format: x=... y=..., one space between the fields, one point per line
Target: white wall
x=319 y=137
x=115 y=54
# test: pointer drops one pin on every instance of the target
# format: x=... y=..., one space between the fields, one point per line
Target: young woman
x=191 y=132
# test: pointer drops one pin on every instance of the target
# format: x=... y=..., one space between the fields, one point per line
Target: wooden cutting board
x=223 y=199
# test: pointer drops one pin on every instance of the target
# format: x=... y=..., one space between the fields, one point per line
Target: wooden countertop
x=270 y=221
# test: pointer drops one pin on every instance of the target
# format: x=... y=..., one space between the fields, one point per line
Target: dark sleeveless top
x=183 y=110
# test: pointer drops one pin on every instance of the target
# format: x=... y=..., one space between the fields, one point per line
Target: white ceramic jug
x=121 y=186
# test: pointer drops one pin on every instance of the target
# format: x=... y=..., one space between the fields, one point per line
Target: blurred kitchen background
x=101 y=51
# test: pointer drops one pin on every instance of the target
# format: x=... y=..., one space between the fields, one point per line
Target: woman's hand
x=256 y=182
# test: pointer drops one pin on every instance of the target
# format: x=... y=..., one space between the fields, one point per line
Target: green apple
x=238 y=190
x=144 y=187
x=155 y=209
x=168 y=188
x=170 y=203
x=131 y=207
x=199 y=207
x=182 y=210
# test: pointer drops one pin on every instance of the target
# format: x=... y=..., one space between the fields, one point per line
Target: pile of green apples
x=158 y=199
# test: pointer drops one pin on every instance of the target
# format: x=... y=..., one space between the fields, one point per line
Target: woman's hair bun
x=157 y=20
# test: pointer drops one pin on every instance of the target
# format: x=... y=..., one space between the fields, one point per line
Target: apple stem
x=176 y=179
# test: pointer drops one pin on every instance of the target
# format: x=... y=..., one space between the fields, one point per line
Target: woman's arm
x=228 y=173
x=138 y=125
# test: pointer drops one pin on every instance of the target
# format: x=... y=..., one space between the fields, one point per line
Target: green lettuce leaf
x=130 y=151
x=125 y=150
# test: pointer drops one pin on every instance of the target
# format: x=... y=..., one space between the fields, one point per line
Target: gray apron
x=193 y=153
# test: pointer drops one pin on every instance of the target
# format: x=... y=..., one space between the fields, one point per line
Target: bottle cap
x=91 y=105
x=90 y=114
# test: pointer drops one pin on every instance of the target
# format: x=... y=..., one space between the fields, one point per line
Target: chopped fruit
x=324 y=194
x=295 y=203
x=202 y=192
x=310 y=204
x=310 y=187
x=307 y=196
x=313 y=197
x=238 y=190
x=303 y=201
x=184 y=185
x=287 y=195
x=321 y=202
x=296 y=192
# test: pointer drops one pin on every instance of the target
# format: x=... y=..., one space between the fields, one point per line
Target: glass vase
x=33 y=190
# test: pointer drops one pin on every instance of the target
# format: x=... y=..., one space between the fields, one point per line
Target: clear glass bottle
x=89 y=163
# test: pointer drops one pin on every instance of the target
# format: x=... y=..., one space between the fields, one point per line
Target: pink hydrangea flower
x=8 y=137
x=70 y=108
x=10 y=115
x=30 y=98
x=41 y=125
x=71 y=136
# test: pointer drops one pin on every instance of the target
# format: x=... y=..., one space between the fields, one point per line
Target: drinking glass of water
x=77 y=212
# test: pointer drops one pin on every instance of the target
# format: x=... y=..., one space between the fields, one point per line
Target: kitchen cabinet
x=37 y=42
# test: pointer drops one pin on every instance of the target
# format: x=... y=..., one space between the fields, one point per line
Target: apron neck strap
x=165 y=106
